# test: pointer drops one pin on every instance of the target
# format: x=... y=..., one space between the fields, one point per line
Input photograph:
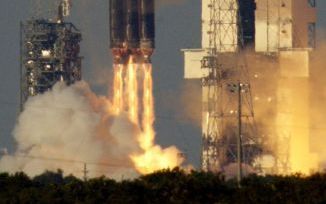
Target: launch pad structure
x=228 y=139
x=49 y=53
x=228 y=128
x=277 y=39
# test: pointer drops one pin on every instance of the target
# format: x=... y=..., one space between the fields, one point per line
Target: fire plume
x=147 y=138
x=132 y=90
x=141 y=112
x=118 y=88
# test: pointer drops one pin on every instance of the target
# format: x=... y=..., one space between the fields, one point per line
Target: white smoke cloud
x=70 y=124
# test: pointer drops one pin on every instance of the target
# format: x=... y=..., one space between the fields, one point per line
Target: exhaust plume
x=72 y=126
x=141 y=113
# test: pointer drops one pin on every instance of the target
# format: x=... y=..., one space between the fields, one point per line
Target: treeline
x=167 y=186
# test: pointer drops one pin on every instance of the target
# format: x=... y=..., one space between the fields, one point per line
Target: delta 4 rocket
x=132 y=30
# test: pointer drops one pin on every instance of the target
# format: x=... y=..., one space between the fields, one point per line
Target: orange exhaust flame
x=147 y=138
x=118 y=88
x=152 y=157
x=132 y=91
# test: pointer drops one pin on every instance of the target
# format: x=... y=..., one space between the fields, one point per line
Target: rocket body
x=132 y=30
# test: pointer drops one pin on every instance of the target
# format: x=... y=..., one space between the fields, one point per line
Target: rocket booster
x=132 y=29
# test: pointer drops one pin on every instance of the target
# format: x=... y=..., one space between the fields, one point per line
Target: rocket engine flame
x=118 y=88
x=147 y=138
x=152 y=157
x=132 y=40
x=132 y=91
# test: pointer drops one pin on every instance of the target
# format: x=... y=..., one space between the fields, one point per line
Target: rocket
x=132 y=30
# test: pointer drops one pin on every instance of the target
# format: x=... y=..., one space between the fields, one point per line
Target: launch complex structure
x=255 y=57
x=272 y=39
x=49 y=53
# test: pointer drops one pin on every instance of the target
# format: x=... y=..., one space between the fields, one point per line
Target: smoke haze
x=318 y=101
x=72 y=123
x=283 y=105
x=300 y=104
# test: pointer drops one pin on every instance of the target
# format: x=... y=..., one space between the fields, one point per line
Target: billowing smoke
x=68 y=126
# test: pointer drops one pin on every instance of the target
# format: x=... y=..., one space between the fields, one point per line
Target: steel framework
x=49 y=53
x=228 y=127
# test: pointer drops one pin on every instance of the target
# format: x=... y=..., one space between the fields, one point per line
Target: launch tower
x=277 y=37
x=228 y=133
x=49 y=53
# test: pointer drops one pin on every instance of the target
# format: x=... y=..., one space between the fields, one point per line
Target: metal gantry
x=229 y=136
x=49 y=53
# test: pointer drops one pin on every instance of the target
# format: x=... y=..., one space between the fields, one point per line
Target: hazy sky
x=177 y=27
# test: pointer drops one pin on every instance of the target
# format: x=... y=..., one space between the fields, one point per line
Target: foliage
x=166 y=186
